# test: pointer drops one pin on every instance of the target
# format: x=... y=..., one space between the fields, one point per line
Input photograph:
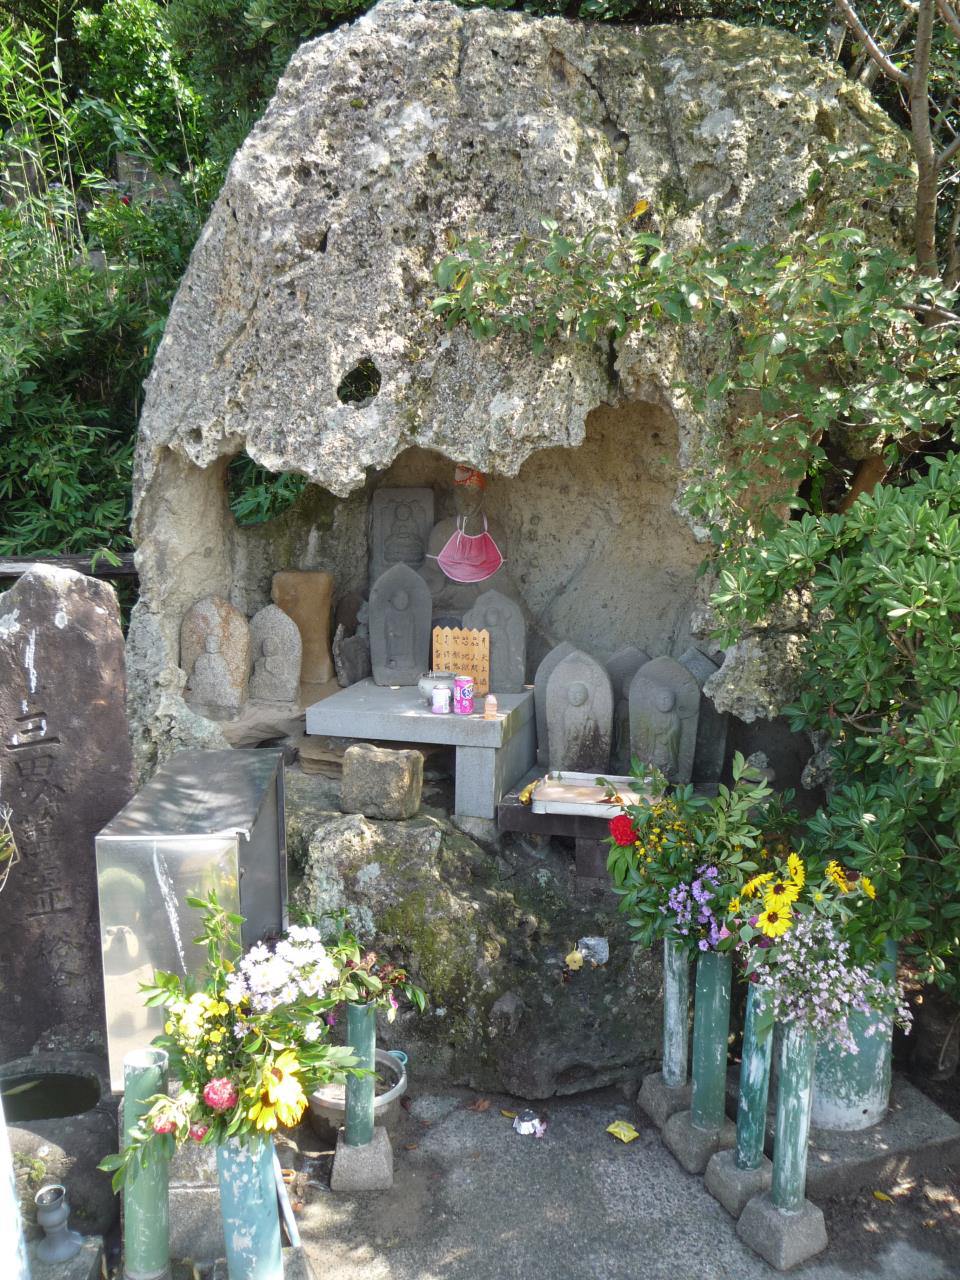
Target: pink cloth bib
x=469 y=557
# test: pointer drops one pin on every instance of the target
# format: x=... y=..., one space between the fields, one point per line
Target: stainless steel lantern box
x=207 y=820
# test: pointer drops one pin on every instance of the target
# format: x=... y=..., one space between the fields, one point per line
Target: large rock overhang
x=418 y=120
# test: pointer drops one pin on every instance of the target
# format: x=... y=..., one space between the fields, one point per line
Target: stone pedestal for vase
x=782 y=1225
x=665 y=1092
x=693 y=1136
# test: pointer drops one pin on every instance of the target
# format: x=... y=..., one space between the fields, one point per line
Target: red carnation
x=622 y=829
x=220 y=1094
x=199 y=1131
x=163 y=1126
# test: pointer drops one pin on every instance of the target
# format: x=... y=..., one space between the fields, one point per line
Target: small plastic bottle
x=490 y=707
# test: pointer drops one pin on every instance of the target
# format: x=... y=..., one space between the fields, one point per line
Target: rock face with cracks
x=301 y=332
x=486 y=937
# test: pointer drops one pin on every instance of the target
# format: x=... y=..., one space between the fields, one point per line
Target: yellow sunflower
x=753 y=886
x=734 y=906
x=836 y=873
x=780 y=893
x=797 y=871
x=868 y=887
x=775 y=920
x=281 y=1096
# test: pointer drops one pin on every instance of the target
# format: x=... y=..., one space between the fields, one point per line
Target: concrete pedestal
x=660 y=1101
x=693 y=1147
x=782 y=1239
x=491 y=755
x=365 y=1168
x=735 y=1187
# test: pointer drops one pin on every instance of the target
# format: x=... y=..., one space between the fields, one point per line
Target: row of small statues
x=230 y=660
x=592 y=716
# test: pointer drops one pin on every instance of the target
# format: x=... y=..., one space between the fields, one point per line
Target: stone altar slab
x=490 y=754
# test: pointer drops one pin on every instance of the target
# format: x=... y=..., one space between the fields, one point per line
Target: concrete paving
x=472 y=1200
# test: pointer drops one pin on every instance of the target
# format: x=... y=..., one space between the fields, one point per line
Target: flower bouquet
x=792 y=931
x=247 y=1040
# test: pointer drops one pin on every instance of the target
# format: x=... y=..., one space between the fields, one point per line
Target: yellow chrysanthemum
x=281 y=1097
x=797 y=870
x=215 y=1036
x=867 y=885
x=756 y=884
x=775 y=921
x=210 y=1061
x=780 y=893
x=836 y=874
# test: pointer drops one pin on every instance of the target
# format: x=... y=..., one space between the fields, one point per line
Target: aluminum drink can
x=441 y=700
x=463 y=695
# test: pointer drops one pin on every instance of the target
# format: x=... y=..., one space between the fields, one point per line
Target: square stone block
x=782 y=1239
x=735 y=1187
x=366 y=1168
x=380 y=783
x=693 y=1147
x=84 y=1265
x=660 y=1101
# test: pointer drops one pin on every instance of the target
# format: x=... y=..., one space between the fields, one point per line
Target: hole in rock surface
x=360 y=385
x=48 y=1095
x=257 y=494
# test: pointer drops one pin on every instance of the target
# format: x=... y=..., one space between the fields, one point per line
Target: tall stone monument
x=400 y=524
x=664 y=705
x=215 y=654
x=556 y=654
x=65 y=769
x=579 y=715
x=503 y=618
x=399 y=622
x=621 y=669
x=305 y=596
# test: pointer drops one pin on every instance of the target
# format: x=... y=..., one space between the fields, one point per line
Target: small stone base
x=732 y=1186
x=693 y=1147
x=84 y=1265
x=660 y=1101
x=366 y=1168
x=782 y=1239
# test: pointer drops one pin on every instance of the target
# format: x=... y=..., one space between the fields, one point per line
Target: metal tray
x=579 y=793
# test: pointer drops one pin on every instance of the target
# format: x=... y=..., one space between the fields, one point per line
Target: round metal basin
x=327 y=1105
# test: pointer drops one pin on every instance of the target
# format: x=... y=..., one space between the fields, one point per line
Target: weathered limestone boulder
x=381 y=783
x=302 y=334
x=487 y=938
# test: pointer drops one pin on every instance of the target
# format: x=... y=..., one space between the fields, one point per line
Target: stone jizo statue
x=279 y=650
x=664 y=705
x=210 y=684
x=503 y=619
x=399 y=624
x=579 y=715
